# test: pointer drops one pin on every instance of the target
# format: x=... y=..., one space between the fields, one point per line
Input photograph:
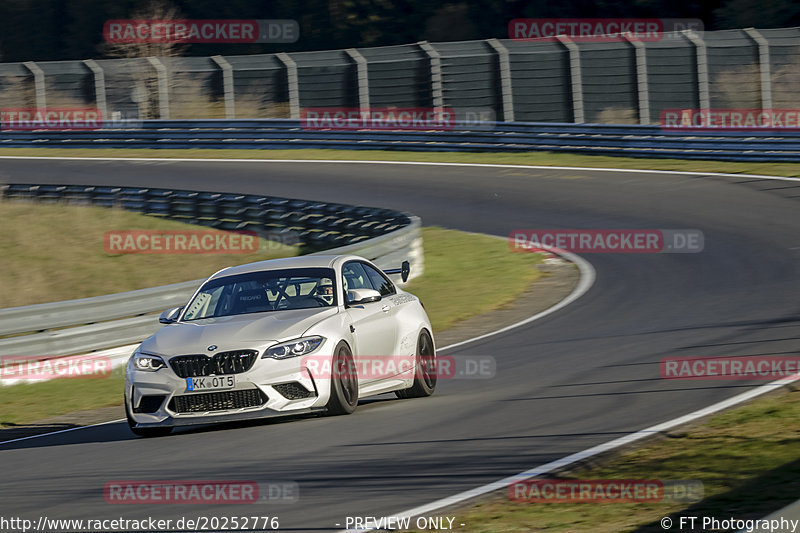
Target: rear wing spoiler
x=404 y=270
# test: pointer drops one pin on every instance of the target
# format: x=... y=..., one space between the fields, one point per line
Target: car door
x=384 y=285
x=375 y=330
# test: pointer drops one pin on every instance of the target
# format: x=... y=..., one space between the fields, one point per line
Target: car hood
x=234 y=332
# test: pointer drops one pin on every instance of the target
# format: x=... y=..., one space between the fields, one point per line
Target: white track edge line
x=589 y=452
x=422 y=163
x=587 y=278
x=62 y=431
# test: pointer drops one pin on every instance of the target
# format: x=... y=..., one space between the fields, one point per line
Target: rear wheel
x=144 y=432
x=425 y=376
x=344 y=382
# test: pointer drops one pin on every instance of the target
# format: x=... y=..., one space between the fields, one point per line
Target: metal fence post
x=227 y=86
x=163 y=87
x=702 y=68
x=763 y=66
x=576 y=81
x=361 y=78
x=38 y=84
x=505 y=79
x=436 y=74
x=642 y=88
x=99 y=87
x=294 y=88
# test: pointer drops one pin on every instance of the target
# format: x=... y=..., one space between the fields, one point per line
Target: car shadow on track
x=27 y=436
x=12 y=431
x=45 y=435
x=206 y=428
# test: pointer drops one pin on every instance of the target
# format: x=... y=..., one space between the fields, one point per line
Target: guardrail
x=381 y=235
x=601 y=139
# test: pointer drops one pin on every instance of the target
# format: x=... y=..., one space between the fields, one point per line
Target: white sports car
x=286 y=336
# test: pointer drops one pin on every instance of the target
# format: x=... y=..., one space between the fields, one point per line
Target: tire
x=425 y=376
x=344 y=382
x=144 y=432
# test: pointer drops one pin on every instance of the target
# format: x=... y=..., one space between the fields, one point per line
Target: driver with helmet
x=324 y=290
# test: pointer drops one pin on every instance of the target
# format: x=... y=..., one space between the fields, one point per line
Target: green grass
x=56 y=252
x=526 y=158
x=448 y=298
x=747 y=459
x=25 y=403
x=457 y=267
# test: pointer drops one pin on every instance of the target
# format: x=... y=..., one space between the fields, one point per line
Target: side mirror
x=362 y=296
x=170 y=316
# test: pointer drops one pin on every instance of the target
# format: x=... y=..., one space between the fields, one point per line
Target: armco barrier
x=381 y=235
x=602 y=139
x=313 y=225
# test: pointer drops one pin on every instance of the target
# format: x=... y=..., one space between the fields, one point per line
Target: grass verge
x=56 y=252
x=525 y=158
x=28 y=402
x=456 y=266
x=747 y=459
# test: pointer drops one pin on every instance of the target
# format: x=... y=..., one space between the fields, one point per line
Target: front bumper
x=170 y=421
x=264 y=376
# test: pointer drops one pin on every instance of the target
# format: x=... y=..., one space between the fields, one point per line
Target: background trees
x=72 y=29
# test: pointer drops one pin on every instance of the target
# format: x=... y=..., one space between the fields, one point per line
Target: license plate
x=210 y=383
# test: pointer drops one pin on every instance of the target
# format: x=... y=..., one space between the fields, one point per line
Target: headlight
x=294 y=348
x=147 y=362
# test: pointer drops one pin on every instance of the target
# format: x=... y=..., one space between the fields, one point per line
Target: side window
x=379 y=282
x=355 y=277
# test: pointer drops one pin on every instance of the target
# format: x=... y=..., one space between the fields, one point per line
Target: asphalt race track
x=582 y=376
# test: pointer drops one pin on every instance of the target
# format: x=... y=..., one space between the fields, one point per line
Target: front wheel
x=425 y=375
x=144 y=432
x=344 y=382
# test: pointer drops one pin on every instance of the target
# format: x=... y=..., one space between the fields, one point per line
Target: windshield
x=259 y=292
